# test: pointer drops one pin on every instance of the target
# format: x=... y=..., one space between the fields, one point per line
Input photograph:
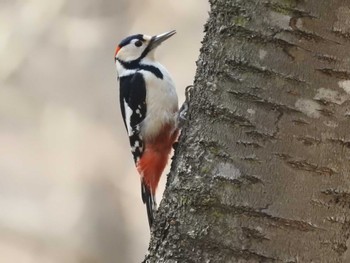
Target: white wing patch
x=128 y=113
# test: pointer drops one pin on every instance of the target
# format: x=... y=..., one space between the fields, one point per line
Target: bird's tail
x=152 y=164
x=149 y=199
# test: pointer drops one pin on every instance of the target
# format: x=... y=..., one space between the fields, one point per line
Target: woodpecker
x=149 y=107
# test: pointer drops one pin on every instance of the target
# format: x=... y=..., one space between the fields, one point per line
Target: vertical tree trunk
x=261 y=173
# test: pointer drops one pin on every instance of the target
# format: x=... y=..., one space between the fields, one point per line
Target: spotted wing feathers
x=133 y=107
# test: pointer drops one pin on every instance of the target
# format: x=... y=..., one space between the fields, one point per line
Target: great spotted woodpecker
x=149 y=107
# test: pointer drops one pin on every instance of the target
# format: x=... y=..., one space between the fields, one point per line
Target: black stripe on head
x=147 y=49
x=127 y=40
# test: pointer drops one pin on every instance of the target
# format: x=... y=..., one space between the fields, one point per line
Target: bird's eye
x=138 y=43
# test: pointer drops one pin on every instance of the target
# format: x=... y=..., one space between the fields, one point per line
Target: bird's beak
x=158 y=39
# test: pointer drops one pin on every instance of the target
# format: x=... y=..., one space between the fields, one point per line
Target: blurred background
x=69 y=191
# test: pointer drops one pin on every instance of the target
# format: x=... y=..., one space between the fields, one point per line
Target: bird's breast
x=162 y=104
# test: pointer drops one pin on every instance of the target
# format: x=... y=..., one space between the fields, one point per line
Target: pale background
x=69 y=191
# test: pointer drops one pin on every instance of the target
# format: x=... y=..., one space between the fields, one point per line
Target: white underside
x=161 y=99
x=162 y=103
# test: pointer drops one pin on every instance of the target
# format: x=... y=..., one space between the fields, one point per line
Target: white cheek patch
x=128 y=113
x=130 y=51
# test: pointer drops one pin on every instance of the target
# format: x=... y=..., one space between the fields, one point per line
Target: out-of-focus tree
x=261 y=173
x=68 y=191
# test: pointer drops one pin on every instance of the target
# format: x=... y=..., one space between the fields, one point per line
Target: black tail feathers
x=148 y=198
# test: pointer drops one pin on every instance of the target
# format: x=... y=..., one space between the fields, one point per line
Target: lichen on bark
x=261 y=171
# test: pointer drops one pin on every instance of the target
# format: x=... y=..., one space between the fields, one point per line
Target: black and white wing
x=133 y=108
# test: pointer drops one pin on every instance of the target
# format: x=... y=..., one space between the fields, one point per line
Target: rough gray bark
x=261 y=173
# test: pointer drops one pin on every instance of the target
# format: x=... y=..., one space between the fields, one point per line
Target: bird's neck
x=147 y=64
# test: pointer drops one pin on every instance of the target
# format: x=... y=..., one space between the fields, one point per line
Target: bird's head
x=136 y=47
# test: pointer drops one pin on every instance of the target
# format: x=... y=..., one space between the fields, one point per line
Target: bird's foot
x=182 y=114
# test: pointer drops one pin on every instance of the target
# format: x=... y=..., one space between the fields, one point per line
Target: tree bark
x=261 y=172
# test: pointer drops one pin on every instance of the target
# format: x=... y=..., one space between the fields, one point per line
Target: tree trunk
x=261 y=172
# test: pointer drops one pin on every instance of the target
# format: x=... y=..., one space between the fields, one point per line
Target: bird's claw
x=182 y=114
